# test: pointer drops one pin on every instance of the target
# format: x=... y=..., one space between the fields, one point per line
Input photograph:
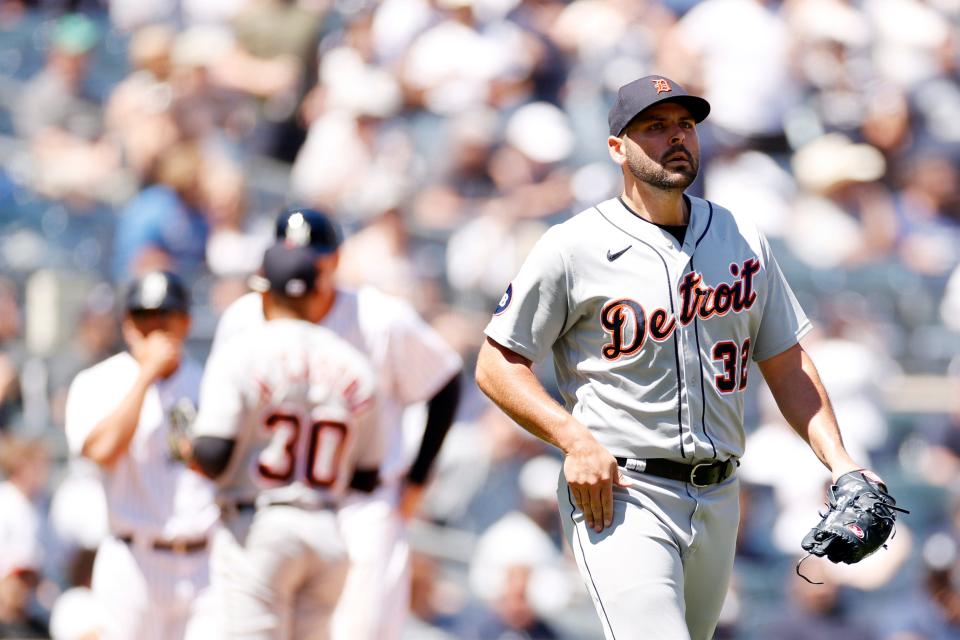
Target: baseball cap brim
x=158 y=291
x=697 y=106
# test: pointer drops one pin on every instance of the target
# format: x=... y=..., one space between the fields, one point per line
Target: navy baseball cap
x=634 y=97
x=308 y=227
x=158 y=291
x=289 y=270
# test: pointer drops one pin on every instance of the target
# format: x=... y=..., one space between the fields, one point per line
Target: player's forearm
x=110 y=438
x=803 y=401
x=440 y=412
x=508 y=380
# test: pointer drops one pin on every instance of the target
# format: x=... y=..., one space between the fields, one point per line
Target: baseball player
x=151 y=572
x=653 y=305
x=287 y=417
x=413 y=364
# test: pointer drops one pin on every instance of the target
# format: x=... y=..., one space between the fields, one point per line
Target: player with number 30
x=287 y=414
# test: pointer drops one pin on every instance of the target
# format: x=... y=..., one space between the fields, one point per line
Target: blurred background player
x=151 y=572
x=25 y=463
x=288 y=417
x=413 y=364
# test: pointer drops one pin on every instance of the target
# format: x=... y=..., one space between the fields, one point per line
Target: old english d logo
x=626 y=323
x=661 y=85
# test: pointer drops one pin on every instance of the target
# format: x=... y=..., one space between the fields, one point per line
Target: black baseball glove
x=861 y=516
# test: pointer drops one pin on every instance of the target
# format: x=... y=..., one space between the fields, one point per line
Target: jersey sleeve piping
x=803 y=330
x=569 y=281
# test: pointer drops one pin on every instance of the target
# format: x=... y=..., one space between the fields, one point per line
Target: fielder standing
x=653 y=305
x=287 y=418
x=413 y=364
x=151 y=572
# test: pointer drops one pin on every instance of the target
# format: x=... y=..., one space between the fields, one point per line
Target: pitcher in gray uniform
x=653 y=304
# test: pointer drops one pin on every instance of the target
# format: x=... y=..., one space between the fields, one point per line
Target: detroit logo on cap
x=661 y=85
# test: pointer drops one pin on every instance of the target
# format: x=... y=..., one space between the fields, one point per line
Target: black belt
x=699 y=475
x=245 y=506
x=173 y=546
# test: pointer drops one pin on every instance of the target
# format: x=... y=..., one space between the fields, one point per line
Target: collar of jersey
x=617 y=212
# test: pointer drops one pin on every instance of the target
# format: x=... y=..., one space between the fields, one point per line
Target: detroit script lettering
x=625 y=319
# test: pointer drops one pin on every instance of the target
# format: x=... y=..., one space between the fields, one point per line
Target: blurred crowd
x=445 y=135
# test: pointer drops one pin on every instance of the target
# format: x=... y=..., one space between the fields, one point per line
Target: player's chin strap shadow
x=802 y=560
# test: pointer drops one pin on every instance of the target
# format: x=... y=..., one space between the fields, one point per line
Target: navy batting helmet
x=158 y=291
x=308 y=227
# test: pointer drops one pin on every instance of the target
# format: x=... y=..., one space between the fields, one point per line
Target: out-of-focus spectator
x=25 y=464
x=274 y=59
x=754 y=183
x=16 y=590
x=205 y=106
x=513 y=615
x=385 y=238
x=516 y=570
x=236 y=244
x=815 y=611
x=712 y=45
x=434 y=603
x=77 y=614
x=138 y=113
x=54 y=98
x=846 y=216
x=935 y=612
x=461 y=168
x=907 y=37
x=928 y=213
x=11 y=353
x=352 y=162
x=58 y=118
x=459 y=63
x=164 y=226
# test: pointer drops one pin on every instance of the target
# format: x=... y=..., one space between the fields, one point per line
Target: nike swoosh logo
x=613 y=256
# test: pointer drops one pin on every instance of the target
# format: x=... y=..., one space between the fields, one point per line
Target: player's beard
x=657 y=175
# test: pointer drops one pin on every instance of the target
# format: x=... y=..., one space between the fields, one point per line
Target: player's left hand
x=861 y=516
x=410 y=498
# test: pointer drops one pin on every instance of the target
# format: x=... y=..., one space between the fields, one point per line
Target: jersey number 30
x=732 y=358
x=278 y=462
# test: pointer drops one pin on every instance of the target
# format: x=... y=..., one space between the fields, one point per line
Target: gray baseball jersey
x=652 y=340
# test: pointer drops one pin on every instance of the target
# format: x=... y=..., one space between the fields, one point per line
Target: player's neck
x=656 y=205
x=326 y=303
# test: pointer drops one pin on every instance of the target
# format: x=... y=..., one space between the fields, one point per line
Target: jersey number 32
x=278 y=461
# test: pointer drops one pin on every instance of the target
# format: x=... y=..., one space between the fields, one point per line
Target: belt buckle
x=179 y=545
x=693 y=474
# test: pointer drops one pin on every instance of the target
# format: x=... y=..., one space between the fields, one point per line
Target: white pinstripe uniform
x=651 y=340
x=147 y=593
x=412 y=363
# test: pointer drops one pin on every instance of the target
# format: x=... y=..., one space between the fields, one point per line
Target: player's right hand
x=591 y=471
x=158 y=354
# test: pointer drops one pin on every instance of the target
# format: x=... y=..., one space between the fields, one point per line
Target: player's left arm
x=427 y=369
x=803 y=401
x=441 y=409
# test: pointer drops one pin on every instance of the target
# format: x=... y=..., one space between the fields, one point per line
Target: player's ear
x=615 y=146
x=131 y=335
